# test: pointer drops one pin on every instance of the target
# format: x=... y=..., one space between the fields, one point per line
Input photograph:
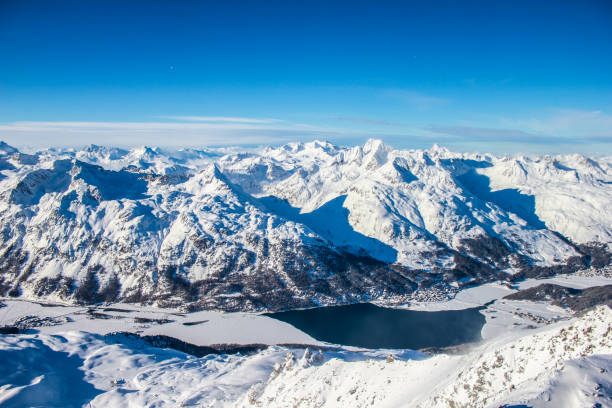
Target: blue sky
x=499 y=76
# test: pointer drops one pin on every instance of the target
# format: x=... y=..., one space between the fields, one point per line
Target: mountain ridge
x=299 y=225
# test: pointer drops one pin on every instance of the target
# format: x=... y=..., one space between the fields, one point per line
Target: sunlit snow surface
x=563 y=365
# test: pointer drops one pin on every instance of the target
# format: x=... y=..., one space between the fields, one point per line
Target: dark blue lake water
x=367 y=325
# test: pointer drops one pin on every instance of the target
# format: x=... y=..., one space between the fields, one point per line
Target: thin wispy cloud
x=486 y=134
x=569 y=127
x=228 y=119
x=561 y=121
x=65 y=133
x=52 y=125
x=504 y=140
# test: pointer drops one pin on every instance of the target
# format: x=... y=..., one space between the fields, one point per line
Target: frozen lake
x=367 y=325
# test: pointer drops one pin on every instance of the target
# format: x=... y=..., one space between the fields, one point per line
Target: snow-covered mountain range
x=293 y=226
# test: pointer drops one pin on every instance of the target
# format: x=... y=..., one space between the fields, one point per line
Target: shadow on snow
x=331 y=222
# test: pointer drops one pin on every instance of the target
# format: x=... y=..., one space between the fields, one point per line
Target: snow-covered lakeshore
x=530 y=352
x=198 y=328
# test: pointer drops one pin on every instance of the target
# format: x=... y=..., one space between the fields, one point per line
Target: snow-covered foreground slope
x=295 y=226
x=561 y=365
x=532 y=369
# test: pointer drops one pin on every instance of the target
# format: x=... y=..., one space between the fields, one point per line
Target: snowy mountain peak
x=94 y=148
x=373 y=154
x=376 y=147
x=93 y=152
x=212 y=172
x=438 y=150
x=323 y=145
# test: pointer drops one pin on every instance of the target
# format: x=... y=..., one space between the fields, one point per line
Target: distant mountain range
x=295 y=226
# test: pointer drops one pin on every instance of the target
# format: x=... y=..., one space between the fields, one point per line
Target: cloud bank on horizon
x=565 y=131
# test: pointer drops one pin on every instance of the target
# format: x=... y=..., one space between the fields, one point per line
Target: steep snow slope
x=293 y=226
x=410 y=201
x=571 y=192
x=77 y=369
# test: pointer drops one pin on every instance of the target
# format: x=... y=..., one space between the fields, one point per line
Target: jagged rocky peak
x=207 y=181
x=147 y=151
x=103 y=152
x=376 y=153
x=212 y=172
x=93 y=148
x=440 y=151
x=321 y=145
x=10 y=157
x=315 y=151
x=184 y=155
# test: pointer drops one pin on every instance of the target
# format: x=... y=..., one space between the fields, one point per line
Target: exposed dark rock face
x=589 y=298
x=544 y=292
x=176 y=344
x=490 y=250
x=592 y=254
x=597 y=254
x=579 y=300
x=29 y=322
x=317 y=275
x=9 y=330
